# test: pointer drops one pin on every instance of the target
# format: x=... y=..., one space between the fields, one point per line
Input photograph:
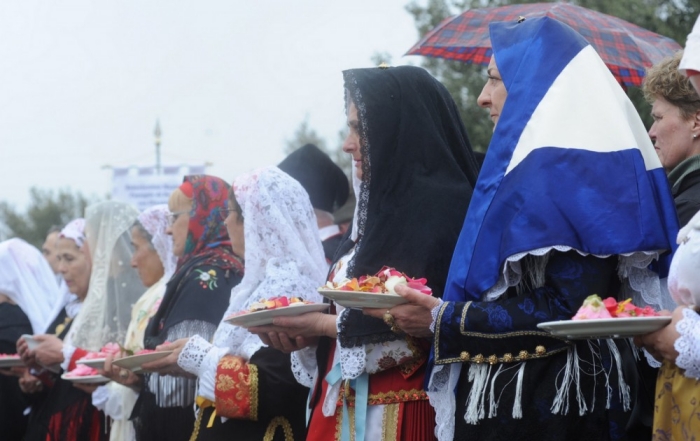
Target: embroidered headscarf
x=75 y=230
x=207 y=238
x=570 y=166
x=155 y=221
x=27 y=279
x=114 y=284
x=283 y=251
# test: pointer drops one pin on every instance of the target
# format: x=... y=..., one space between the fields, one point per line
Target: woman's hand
x=168 y=365
x=49 y=351
x=25 y=354
x=29 y=384
x=414 y=317
x=288 y=334
x=660 y=343
x=120 y=375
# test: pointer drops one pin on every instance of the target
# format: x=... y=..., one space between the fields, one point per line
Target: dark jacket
x=685 y=187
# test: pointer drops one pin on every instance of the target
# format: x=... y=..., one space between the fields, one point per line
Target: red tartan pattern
x=626 y=48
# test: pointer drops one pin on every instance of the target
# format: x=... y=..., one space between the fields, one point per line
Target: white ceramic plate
x=260 y=318
x=86 y=379
x=8 y=362
x=357 y=299
x=95 y=363
x=134 y=362
x=604 y=328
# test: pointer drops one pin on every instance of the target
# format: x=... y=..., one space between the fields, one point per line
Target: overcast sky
x=83 y=82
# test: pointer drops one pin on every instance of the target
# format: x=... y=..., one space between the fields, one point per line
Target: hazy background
x=83 y=82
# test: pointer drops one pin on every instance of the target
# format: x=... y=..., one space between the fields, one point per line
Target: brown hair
x=664 y=80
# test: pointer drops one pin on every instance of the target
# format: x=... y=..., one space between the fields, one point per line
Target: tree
x=672 y=18
x=305 y=135
x=45 y=210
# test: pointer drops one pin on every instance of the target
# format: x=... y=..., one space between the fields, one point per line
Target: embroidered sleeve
x=260 y=389
x=688 y=344
x=506 y=330
x=236 y=390
x=201 y=358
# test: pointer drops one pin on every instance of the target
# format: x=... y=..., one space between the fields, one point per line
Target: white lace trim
x=441 y=386
x=193 y=353
x=653 y=362
x=155 y=220
x=688 y=344
x=352 y=360
x=434 y=313
x=638 y=281
x=305 y=366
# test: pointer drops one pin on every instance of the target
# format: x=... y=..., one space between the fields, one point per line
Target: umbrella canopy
x=626 y=48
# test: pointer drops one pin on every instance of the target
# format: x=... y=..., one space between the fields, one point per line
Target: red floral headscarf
x=206 y=232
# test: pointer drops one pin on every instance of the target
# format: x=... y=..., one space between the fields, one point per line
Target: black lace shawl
x=418 y=175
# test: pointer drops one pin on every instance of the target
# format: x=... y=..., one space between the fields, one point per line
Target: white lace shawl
x=114 y=285
x=684 y=286
x=27 y=279
x=283 y=251
x=155 y=221
x=75 y=230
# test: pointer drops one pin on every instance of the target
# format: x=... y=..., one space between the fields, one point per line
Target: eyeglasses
x=172 y=217
x=225 y=212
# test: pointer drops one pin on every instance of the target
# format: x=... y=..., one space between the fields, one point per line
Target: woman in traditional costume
x=28 y=290
x=566 y=206
x=678 y=343
x=247 y=390
x=194 y=302
x=155 y=262
x=112 y=286
x=410 y=154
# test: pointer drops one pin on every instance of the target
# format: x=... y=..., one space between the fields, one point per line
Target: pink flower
x=593 y=308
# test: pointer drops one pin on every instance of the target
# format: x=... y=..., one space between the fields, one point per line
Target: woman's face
x=351 y=144
x=145 y=259
x=234 y=226
x=75 y=266
x=672 y=134
x=179 y=221
x=494 y=94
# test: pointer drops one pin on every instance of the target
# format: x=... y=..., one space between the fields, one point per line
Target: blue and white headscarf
x=570 y=166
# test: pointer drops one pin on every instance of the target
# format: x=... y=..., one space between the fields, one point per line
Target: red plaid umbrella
x=626 y=49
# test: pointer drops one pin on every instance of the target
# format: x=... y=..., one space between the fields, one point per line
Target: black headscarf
x=418 y=175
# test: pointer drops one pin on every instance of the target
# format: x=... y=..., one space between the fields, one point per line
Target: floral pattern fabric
x=677 y=405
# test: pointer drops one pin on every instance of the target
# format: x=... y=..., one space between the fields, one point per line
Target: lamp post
x=157 y=135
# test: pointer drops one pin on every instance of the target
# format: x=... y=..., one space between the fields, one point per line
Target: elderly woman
x=409 y=150
x=560 y=212
x=271 y=222
x=108 y=290
x=28 y=288
x=676 y=132
x=155 y=262
x=195 y=299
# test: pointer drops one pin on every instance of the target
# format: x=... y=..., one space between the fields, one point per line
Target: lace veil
x=114 y=285
x=26 y=278
x=155 y=221
x=283 y=251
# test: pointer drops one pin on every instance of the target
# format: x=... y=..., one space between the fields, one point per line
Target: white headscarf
x=114 y=285
x=75 y=230
x=155 y=221
x=283 y=251
x=27 y=279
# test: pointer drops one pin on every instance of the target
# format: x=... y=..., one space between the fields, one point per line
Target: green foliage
x=46 y=209
x=672 y=18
